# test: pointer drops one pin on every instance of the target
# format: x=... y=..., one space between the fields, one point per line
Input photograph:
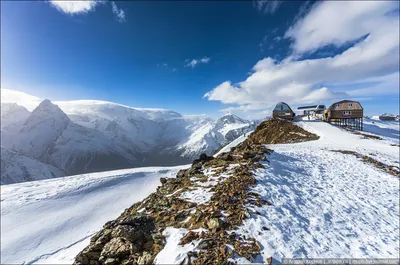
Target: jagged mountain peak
x=47 y=110
x=47 y=105
x=12 y=113
x=9 y=108
x=230 y=118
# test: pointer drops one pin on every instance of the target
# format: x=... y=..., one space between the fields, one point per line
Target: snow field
x=51 y=221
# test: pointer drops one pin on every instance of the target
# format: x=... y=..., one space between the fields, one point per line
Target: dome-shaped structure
x=283 y=111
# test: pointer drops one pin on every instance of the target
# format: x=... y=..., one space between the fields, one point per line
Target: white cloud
x=267 y=6
x=74 y=6
x=277 y=38
x=195 y=62
x=340 y=22
x=385 y=85
x=267 y=63
x=308 y=81
x=118 y=12
x=205 y=60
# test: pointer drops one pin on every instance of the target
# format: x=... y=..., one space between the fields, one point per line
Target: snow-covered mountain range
x=73 y=137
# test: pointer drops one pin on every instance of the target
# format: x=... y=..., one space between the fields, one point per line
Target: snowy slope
x=389 y=130
x=234 y=143
x=335 y=138
x=50 y=221
x=12 y=113
x=157 y=130
x=50 y=136
x=324 y=203
x=144 y=128
x=211 y=136
x=38 y=132
x=17 y=168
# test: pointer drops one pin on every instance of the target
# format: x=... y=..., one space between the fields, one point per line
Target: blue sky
x=203 y=57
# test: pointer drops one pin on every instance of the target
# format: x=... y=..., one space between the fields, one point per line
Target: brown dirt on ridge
x=136 y=236
x=277 y=131
x=365 y=135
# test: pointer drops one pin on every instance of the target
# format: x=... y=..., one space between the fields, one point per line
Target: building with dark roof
x=283 y=111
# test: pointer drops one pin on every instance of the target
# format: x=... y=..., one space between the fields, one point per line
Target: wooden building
x=345 y=113
x=283 y=111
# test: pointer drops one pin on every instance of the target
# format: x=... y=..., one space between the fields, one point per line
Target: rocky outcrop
x=277 y=131
x=136 y=236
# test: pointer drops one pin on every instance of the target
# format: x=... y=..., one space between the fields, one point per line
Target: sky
x=204 y=57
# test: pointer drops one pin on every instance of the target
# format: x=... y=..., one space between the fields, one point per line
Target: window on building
x=350 y=104
x=346 y=112
x=337 y=105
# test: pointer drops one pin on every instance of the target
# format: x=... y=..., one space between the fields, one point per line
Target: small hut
x=346 y=113
x=312 y=109
x=387 y=117
x=315 y=111
x=283 y=111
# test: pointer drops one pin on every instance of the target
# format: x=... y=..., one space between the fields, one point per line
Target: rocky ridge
x=209 y=201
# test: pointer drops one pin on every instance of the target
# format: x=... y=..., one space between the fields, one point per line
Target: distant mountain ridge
x=89 y=136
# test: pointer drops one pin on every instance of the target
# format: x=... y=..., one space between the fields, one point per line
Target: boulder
x=117 y=247
x=226 y=157
x=127 y=232
x=197 y=165
x=163 y=180
x=215 y=223
x=138 y=220
x=247 y=155
x=145 y=259
x=203 y=157
x=207 y=243
x=111 y=261
x=182 y=173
